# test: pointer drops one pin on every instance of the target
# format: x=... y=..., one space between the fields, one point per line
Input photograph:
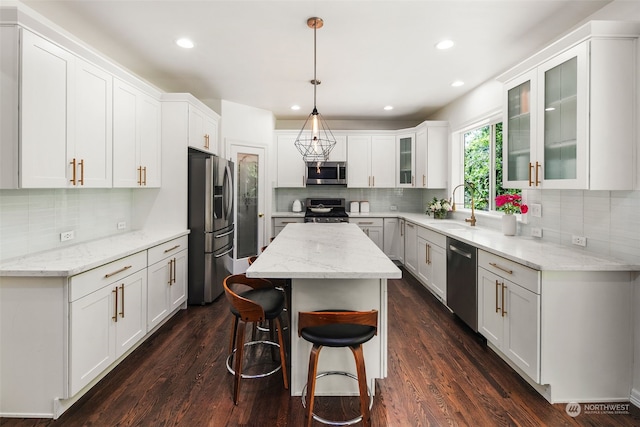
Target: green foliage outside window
x=478 y=166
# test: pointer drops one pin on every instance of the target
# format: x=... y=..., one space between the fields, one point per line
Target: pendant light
x=315 y=140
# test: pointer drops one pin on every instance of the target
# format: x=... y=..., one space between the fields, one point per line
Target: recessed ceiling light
x=388 y=107
x=444 y=44
x=457 y=83
x=185 y=43
x=295 y=107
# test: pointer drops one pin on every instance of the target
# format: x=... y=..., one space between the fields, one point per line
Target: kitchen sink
x=449 y=225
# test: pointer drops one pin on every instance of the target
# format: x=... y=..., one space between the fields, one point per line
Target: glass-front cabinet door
x=519 y=127
x=547 y=124
x=564 y=120
x=406 y=158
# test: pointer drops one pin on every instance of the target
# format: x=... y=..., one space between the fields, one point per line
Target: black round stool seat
x=338 y=335
x=271 y=300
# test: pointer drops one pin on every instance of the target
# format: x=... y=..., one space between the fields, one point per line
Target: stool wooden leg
x=283 y=359
x=311 y=382
x=239 y=357
x=362 y=384
x=234 y=332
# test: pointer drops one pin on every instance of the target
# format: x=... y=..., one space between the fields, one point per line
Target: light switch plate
x=535 y=210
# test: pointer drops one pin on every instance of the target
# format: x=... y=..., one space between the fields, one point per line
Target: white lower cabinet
x=105 y=320
x=432 y=261
x=394 y=238
x=279 y=223
x=509 y=310
x=373 y=228
x=167 y=287
x=411 y=248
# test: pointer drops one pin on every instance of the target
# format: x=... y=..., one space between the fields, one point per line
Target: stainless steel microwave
x=326 y=173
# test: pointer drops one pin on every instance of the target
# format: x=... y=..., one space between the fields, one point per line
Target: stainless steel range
x=325 y=210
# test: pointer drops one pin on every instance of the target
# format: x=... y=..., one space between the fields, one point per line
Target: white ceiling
x=370 y=53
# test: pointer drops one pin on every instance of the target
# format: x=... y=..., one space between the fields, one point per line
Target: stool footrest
x=247 y=344
x=332 y=422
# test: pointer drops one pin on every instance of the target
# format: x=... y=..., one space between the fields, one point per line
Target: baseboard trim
x=635 y=397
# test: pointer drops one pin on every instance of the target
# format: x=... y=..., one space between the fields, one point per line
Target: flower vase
x=509 y=225
x=439 y=215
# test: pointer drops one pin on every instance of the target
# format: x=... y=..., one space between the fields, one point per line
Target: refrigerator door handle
x=223 y=234
x=228 y=188
x=224 y=253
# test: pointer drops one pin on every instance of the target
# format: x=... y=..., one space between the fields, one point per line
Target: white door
x=249 y=171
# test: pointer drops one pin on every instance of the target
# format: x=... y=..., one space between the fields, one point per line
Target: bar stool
x=261 y=302
x=338 y=328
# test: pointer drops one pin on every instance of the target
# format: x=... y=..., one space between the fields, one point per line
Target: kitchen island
x=331 y=266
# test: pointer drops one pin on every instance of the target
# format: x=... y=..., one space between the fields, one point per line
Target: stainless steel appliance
x=325 y=210
x=210 y=220
x=326 y=173
x=462 y=294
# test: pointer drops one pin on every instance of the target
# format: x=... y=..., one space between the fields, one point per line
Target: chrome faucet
x=471 y=220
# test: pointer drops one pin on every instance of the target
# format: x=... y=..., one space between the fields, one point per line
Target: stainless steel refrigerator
x=211 y=224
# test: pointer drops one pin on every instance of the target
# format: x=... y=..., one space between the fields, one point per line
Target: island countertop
x=323 y=251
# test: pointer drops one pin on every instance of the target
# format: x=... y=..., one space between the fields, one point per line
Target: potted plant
x=510 y=204
x=439 y=208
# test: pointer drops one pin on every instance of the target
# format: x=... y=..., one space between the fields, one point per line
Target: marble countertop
x=530 y=251
x=323 y=251
x=81 y=257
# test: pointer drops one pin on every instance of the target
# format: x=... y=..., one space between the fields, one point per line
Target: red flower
x=511 y=203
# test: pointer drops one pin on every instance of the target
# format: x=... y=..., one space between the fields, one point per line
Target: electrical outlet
x=579 y=240
x=536 y=232
x=535 y=210
x=66 y=235
x=393 y=208
x=122 y=225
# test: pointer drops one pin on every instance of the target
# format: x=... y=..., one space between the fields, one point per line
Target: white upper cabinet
x=339 y=152
x=291 y=166
x=46 y=89
x=203 y=130
x=569 y=117
x=92 y=142
x=371 y=161
x=406 y=160
x=64 y=116
x=432 y=145
x=136 y=137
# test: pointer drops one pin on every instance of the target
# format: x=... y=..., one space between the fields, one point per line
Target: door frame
x=236 y=147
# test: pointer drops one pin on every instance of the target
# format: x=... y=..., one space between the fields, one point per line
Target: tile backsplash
x=32 y=220
x=380 y=199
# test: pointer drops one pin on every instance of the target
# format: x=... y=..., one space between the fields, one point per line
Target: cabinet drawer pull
x=506 y=270
x=288 y=222
x=206 y=141
x=125 y=268
x=504 y=312
x=412 y=181
x=424 y=184
x=115 y=308
x=538 y=173
x=410 y=225
x=497 y=286
x=365 y=222
x=530 y=174
x=171 y=249
x=122 y=290
x=144 y=172
x=170 y=271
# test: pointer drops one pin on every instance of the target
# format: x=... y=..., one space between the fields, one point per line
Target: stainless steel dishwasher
x=462 y=293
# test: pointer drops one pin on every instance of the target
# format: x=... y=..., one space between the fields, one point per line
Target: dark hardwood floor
x=439 y=373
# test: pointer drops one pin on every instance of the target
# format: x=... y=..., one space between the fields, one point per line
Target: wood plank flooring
x=440 y=373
